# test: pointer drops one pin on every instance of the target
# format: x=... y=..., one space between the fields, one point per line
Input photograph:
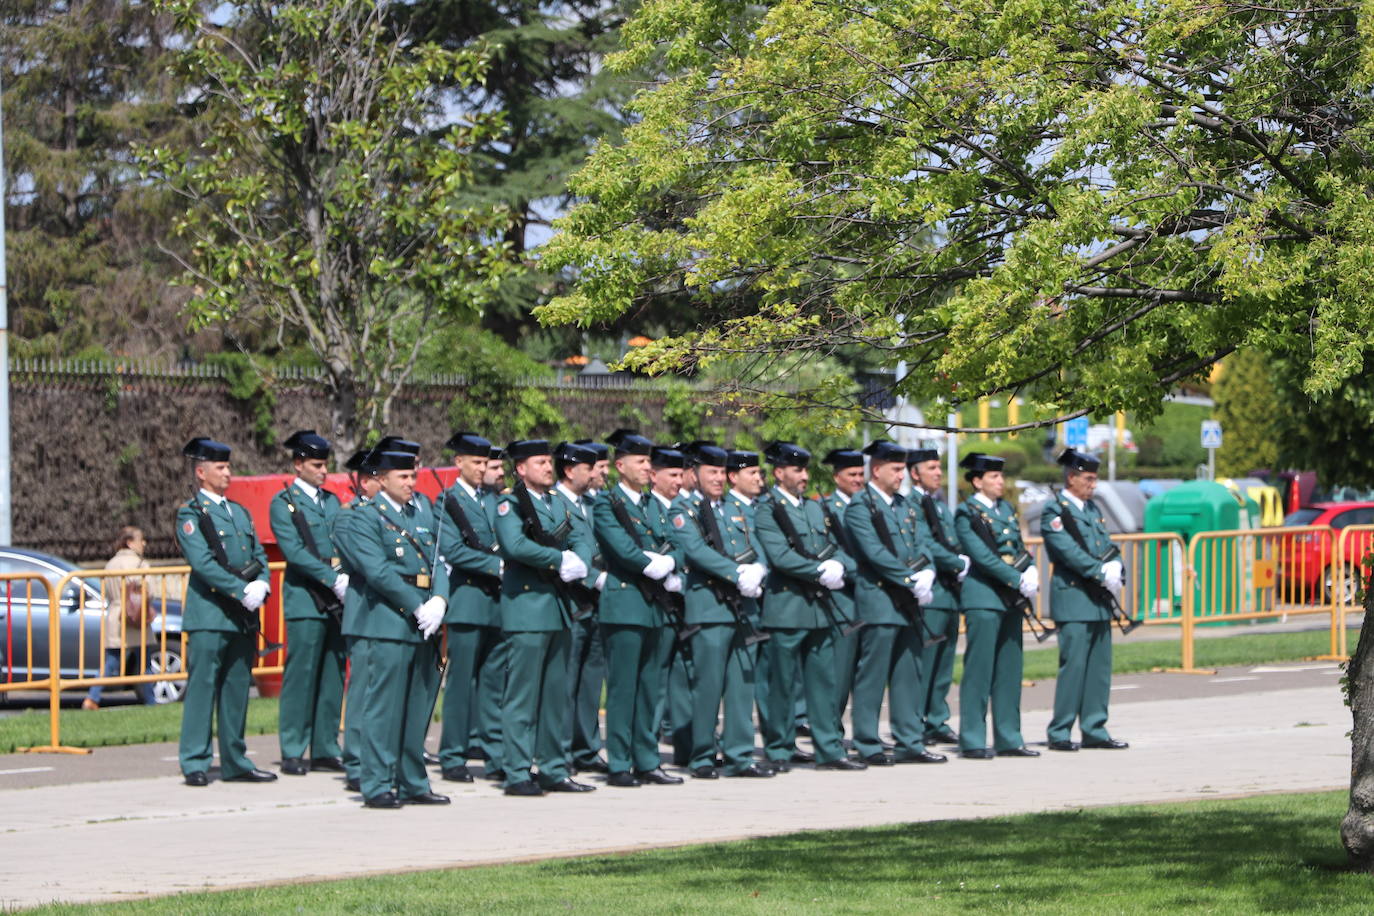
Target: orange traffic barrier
x=1352 y=566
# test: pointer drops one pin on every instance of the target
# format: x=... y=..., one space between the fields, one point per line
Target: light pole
x=6 y=533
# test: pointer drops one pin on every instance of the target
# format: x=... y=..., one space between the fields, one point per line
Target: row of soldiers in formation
x=693 y=592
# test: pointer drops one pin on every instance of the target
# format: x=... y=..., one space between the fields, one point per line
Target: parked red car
x=1307 y=558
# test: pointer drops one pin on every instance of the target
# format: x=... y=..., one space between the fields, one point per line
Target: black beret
x=786 y=455
x=572 y=453
x=394 y=461
x=663 y=457
x=306 y=443
x=709 y=454
x=883 y=450
x=497 y=453
x=735 y=461
x=364 y=460
x=527 y=448
x=603 y=451
x=397 y=444
x=841 y=458
x=467 y=443
x=978 y=463
x=203 y=449
x=629 y=442
x=1077 y=461
x=917 y=455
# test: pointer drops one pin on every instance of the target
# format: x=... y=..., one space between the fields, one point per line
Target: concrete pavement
x=1270 y=728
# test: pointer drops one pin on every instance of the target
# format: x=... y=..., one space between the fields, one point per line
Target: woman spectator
x=124 y=633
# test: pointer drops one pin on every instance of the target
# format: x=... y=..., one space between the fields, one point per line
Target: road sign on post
x=1076 y=432
x=1211 y=440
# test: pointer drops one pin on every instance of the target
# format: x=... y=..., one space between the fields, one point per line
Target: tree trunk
x=343 y=415
x=1357 y=830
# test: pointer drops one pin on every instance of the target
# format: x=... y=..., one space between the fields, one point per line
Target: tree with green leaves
x=1081 y=203
x=1246 y=407
x=326 y=192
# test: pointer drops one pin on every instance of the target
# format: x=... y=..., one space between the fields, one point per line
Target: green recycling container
x=1188 y=510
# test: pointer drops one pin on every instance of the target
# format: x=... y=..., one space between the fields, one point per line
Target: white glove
x=1030 y=582
x=430 y=616
x=967 y=565
x=1111 y=574
x=500 y=567
x=601 y=582
x=750 y=578
x=924 y=580
x=755 y=592
x=448 y=567
x=832 y=574
x=922 y=595
x=660 y=564
x=672 y=583
x=254 y=594
x=572 y=568
x=340 y=586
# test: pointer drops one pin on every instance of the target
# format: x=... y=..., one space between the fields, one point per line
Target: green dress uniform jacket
x=876 y=564
x=846 y=647
x=341 y=531
x=474 y=595
x=622 y=601
x=992 y=647
x=586 y=654
x=313 y=682
x=222 y=634
x=942 y=614
x=1083 y=625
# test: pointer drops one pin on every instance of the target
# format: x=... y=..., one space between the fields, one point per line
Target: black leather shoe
x=777 y=766
x=527 y=788
x=657 y=777
x=941 y=736
x=705 y=773
x=879 y=760
x=1018 y=752
x=1111 y=744
x=623 y=780
x=977 y=753
x=457 y=774
x=427 y=798
x=197 y=779
x=596 y=766
x=330 y=764
x=804 y=728
x=569 y=785
x=498 y=775
x=843 y=763
x=478 y=753
x=753 y=771
x=923 y=757
x=352 y=785
x=1063 y=745
x=431 y=759
x=385 y=800
x=253 y=776
x=294 y=766
x=800 y=756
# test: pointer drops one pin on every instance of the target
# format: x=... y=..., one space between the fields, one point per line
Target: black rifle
x=814 y=591
x=326 y=602
x=948 y=578
x=582 y=598
x=248 y=573
x=653 y=591
x=902 y=599
x=1011 y=597
x=730 y=597
x=1098 y=591
x=489 y=585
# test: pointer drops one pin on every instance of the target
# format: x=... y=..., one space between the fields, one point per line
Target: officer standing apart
x=1076 y=539
x=724 y=583
x=847 y=471
x=313 y=591
x=342 y=529
x=632 y=534
x=467 y=540
x=805 y=564
x=990 y=535
x=543 y=551
x=894 y=581
x=403 y=607
x=942 y=613
x=228 y=584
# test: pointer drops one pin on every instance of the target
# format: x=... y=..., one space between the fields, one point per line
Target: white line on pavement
x=1230 y=680
x=1280 y=670
x=25 y=770
x=1125 y=686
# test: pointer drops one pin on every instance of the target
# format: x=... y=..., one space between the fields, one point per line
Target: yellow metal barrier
x=1351 y=567
x=21 y=599
x=153 y=645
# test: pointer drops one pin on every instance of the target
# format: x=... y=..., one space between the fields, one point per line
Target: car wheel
x=1344 y=593
x=166 y=691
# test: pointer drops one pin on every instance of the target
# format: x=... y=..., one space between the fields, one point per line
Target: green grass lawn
x=118 y=725
x=1271 y=854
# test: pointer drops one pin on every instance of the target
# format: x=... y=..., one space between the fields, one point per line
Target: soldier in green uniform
x=678 y=676
x=366 y=484
x=942 y=613
x=1076 y=540
x=404 y=600
x=895 y=579
x=724 y=582
x=805 y=564
x=228 y=584
x=847 y=473
x=485 y=740
x=313 y=590
x=632 y=531
x=990 y=536
x=467 y=540
x=544 y=551
x=745 y=486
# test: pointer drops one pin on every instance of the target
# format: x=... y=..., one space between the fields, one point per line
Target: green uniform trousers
x=889 y=661
x=724 y=668
x=220 y=666
x=586 y=678
x=1085 y=680
x=635 y=658
x=470 y=649
x=762 y=665
x=810 y=655
x=992 y=672
x=312 y=689
x=491 y=693
x=846 y=659
x=534 y=712
x=678 y=678
x=398 y=701
x=937 y=667
x=353 y=709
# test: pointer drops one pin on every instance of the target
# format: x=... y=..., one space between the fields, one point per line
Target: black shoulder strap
x=622 y=516
x=934 y=522
x=302 y=526
x=710 y=528
x=460 y=518
x=210 y=533
x=789 y=530
x=1071 y=526
x=880 y=525
x=419 y=548
x=978 y=520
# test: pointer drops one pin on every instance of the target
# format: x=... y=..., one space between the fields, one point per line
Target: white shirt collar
x=667 y=503
x=887 y=500
x=307 y=489
x=843 y=497
x=917 y=488
x=572 y=497
x=742 y=498
x=471 y=491
x=1078 y=503
x=787 y=496
x=213 y=497
x=985 y=501
x=633 y=494
x=390 y=502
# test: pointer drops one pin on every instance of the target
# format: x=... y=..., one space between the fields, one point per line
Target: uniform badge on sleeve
x=678 y=521
x=1056 y=524
x=187 y=528
x=503 y=509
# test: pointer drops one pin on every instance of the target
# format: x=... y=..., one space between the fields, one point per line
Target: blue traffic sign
x=1211 y=434
x=1076 y=432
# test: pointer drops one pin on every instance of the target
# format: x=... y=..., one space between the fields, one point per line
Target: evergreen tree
x=1246 y=408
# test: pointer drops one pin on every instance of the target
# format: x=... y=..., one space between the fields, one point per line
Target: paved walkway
x=1272 y=728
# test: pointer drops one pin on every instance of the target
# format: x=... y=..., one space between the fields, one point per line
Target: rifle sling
x=323 y=596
